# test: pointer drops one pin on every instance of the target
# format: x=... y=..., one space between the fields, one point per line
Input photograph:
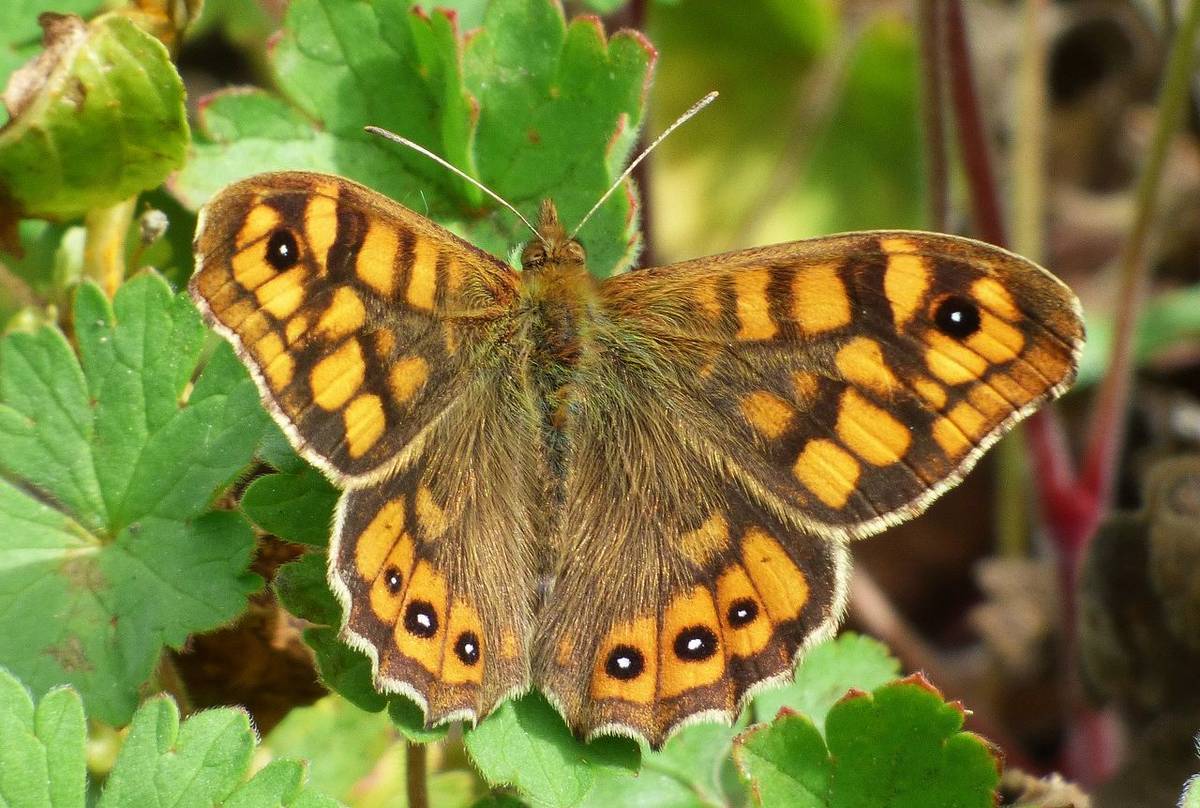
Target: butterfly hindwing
x=678 y=590
x=435 y=565
x=354 y=314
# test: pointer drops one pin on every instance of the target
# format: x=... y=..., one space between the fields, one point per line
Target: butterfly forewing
x=858 y=376
x=751 y=412
x=354 y=314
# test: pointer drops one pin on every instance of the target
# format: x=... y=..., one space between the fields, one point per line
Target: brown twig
x=415 y=776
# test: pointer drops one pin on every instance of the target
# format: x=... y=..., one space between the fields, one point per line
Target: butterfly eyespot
x=466 y=647
x=695 y=643
x=625 y=662
x=421 y=619
x=392 y=579
x=282 y=250
x=742 y=612
x=957 y=317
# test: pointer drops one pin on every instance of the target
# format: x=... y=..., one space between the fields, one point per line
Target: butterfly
x=634 y=494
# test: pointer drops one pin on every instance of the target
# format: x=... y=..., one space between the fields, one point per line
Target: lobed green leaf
x=898 y=747
x=108 y=467
x=530 y=105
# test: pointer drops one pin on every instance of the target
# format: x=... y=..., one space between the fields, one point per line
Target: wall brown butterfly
x=634 y=494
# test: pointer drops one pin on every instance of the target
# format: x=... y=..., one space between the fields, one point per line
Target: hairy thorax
x=558 y=312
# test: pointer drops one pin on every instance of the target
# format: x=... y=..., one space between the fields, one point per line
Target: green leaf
x=20 y=34
x=303 y=590
x=203 y=763
x=277 y=451
x=693 y=768
x=106 y=480
x=344 y=669
x=899 y=747
x=294 y=507
x=526 y=744
x=503 y=801
x=828 y=670
x=200 y=763
x=41 y=755
x=279 y=783
x=406 y=715
x=787 y=763
x=101 y=88
x=344 y=65
x=163 y=763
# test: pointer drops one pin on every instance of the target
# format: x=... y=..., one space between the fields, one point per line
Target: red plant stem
x=972 y=138
x=933 y=100
x=1071 y=509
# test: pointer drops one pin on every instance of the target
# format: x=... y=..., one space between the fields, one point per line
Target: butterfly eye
x=466 y=647
x=957 y=317
x=625 y=663
x=282 y=250
x=534 y=256
x=695 y=643
x=420 y=619
x=575 y=251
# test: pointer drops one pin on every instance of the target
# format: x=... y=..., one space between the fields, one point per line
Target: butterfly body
x=632 y=493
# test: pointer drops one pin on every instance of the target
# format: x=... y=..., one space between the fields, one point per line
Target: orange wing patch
x=627 y=665
x=690 y=652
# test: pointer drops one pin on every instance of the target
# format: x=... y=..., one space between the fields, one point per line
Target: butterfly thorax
x=559 y=296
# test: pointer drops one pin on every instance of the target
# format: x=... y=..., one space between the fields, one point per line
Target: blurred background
x=1081 y=659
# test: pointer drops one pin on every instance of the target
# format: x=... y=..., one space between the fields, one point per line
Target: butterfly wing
x=374 y=337
x=353 y=313
x=752 y=412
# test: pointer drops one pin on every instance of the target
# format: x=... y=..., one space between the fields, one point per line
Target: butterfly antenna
x=403 y=141
x=680 y=121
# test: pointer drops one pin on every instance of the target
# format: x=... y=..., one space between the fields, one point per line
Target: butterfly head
x=552 y=247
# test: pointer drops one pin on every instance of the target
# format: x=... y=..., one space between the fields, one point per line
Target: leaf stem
x=415 y=775
x=104 y=246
